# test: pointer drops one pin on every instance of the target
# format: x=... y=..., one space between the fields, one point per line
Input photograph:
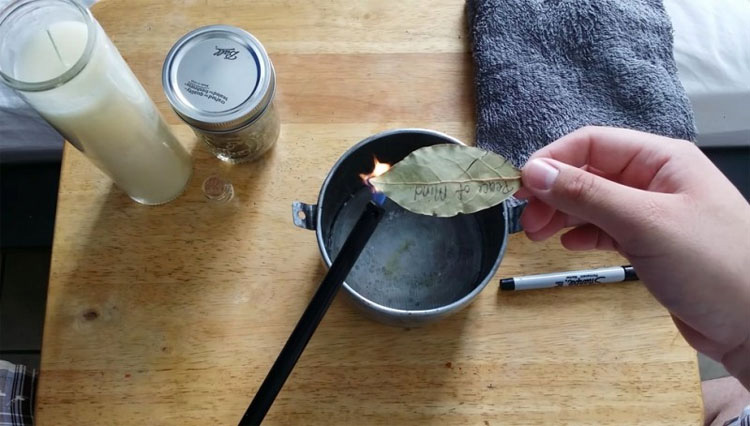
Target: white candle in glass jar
x=103 y=110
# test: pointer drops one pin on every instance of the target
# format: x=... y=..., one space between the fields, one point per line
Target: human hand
x=665 y=207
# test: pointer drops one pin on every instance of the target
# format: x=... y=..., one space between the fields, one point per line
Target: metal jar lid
x=218 y=78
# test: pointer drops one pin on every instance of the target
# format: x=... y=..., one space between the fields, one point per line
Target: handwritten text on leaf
x=447 y=179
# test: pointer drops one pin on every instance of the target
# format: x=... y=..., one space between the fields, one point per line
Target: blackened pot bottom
x=412 y=262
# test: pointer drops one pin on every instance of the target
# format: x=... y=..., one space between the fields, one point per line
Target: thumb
x=576 y=192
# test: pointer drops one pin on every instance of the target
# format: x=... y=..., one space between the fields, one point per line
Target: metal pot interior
x=412 y=262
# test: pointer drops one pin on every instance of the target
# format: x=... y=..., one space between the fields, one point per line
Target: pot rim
x=423 y=313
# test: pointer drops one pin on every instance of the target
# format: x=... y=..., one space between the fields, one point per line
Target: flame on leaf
x=377 y=170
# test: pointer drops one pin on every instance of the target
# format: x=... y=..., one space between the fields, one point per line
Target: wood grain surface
x=173 y=314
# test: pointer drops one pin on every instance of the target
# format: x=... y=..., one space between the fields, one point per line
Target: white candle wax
x=104 y=111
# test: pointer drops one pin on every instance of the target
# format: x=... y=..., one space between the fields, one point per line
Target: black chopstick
x=313 y=314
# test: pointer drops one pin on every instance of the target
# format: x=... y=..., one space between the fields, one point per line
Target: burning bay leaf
x=447 y=179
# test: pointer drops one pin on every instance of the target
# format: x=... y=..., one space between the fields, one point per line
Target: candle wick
x=54 y=45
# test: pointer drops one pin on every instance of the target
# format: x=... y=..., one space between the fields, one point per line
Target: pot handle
x=515 y=208
x=304 y=215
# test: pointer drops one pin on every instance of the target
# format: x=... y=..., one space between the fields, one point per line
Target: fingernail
x=539 y=174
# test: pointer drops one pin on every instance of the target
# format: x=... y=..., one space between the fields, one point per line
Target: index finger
x=630 y=157
x=607 y=149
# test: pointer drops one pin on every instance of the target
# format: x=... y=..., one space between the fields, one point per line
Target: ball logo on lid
x=230 y=53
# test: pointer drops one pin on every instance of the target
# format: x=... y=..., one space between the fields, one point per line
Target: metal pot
x=415 y=269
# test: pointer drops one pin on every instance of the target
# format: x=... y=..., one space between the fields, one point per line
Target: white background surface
x=712 y=51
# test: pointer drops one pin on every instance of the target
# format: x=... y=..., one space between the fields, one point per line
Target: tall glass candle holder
x=56 y=55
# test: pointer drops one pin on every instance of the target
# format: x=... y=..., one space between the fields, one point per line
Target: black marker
x=614 y=274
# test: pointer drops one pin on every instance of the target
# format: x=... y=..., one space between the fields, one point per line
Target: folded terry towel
x=546 y=68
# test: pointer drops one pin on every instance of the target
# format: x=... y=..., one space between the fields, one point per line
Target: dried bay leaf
x=447 y=179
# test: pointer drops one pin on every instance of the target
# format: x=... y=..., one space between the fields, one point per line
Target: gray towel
x=546 y=68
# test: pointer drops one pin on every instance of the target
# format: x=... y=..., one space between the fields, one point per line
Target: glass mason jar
x=56 y=56
x=220 y=80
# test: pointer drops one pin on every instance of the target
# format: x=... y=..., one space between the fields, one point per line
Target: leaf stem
x=497 y=179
